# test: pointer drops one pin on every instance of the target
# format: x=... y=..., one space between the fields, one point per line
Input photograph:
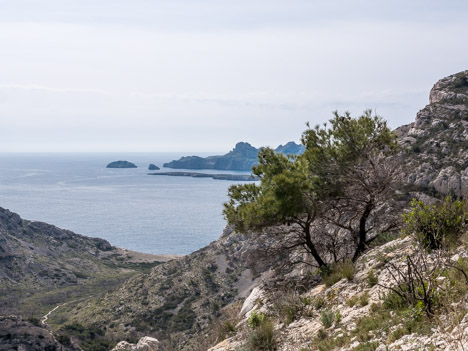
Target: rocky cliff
x=438 y=139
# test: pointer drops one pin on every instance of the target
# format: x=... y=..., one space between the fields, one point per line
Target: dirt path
x=46 y=317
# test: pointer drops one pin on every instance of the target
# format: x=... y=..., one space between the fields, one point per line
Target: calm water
x=153 y=214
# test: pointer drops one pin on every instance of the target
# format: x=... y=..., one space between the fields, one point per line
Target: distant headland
x=242 y=158
x=121 y=164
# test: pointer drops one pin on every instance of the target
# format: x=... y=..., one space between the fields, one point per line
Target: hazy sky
x=200 y=75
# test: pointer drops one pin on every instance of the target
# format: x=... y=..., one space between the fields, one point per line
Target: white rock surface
x=146 y=343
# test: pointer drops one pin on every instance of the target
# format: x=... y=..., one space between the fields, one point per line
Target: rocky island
x=153 y=167
x=121 y=164
x=242 y=158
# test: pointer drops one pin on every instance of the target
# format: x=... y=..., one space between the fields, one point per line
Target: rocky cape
x=242 y=158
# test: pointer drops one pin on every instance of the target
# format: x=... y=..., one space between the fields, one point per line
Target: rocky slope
x=242 y=158
x=179 y=301
x=356 y=306
x=438 y=139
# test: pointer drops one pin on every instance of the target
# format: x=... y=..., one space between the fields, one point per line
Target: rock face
x=242 y=158
x=437 y=142
x=121 y=164
x=153 y=167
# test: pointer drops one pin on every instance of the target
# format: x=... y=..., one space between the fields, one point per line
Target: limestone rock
x=251 y=302
x=146 y=343
x=436 y=151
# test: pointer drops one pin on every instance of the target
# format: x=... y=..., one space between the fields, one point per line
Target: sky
x=201 y=75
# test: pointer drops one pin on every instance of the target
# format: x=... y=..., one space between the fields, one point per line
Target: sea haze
x=127 y=207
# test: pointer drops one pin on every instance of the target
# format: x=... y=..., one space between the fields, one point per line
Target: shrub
x=352 y=300
x=262 y=337
x=306 y=301
x=337 y=317
x=225 y=330
x=339 y=271
x=372 y=278
x=327 y=317
x=289 y=307
x=256 y=319
x=364 y=299
x=436 y=226
x=319 y=302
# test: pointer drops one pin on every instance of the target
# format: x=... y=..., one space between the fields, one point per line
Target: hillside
x=42 y=265
x=177 y=302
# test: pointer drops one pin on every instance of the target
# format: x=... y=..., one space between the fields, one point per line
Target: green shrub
x=322 y=334
x=262 y=337
x=319 y=302
x=352 y=301
x=393 y=301
x=256 y=319
x=368 y=346
x=339 y=271
x=347 y=270
x=225 y=329
x=306 y=301
x=289 y=307
x=364 y=299
x=337 y=317
x=327 y=317
x=372 y=278
x=436 y=226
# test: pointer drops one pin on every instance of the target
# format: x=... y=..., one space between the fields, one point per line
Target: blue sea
x=127 y=207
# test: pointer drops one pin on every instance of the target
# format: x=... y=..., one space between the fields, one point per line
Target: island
x=121 y=164
x=241 y=177
x=242 y=158
x=153 y=167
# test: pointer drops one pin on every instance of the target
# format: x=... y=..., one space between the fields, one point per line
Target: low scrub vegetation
x=261 y=336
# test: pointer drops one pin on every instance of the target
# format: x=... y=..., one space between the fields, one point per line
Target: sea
x=127 y=207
